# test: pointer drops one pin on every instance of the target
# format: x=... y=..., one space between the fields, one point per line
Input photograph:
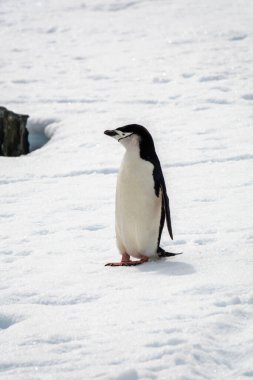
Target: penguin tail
x=162 y=253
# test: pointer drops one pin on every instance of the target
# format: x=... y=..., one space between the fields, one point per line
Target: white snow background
x=183 y=69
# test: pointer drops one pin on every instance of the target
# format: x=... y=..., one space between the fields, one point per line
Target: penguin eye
x=123 y=134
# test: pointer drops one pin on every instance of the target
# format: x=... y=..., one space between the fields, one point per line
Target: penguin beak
x=111 y=133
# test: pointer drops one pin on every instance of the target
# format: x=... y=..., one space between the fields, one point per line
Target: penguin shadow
x=168 y=267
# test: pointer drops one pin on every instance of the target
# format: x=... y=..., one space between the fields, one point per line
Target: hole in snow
x=6 y=321
x=38 y=135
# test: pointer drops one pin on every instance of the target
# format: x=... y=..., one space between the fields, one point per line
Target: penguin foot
x=125 y=263
x=128 y=262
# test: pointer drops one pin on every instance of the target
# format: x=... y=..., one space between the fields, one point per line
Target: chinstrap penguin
x=142 y=203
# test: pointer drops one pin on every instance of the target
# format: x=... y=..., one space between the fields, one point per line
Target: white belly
x=138 y=209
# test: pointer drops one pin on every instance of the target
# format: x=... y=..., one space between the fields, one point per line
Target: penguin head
x=131 y=136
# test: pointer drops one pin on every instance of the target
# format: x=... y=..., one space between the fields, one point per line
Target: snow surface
x=184 y=70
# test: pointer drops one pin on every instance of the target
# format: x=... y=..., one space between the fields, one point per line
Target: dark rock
x=13 y=133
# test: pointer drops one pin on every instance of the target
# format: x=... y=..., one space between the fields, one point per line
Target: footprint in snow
x=248 y=373
x=247 y=97
x=7 y=321
x=180 y=242
x=187 y=75
x=211 y=78
x=169 y=342
x=6 y=216
x=161 y=80
x=55 y=300
x=201 y=108
x=218 y=101
x=6 y=253
x=180 y=361
x=94 y=227
x=228 y=302
x=130 y=374
x=203 y=241
x=41 y=232
x=238 y=36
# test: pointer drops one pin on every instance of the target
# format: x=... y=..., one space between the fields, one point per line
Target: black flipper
x=167 y=208
x=160 y=186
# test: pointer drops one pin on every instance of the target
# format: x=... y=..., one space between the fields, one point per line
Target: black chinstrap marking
x=122 y=138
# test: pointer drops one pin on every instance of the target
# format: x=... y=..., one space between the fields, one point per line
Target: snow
x=184 y=70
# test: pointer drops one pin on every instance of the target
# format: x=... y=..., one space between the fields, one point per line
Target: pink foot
x=126 y=262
